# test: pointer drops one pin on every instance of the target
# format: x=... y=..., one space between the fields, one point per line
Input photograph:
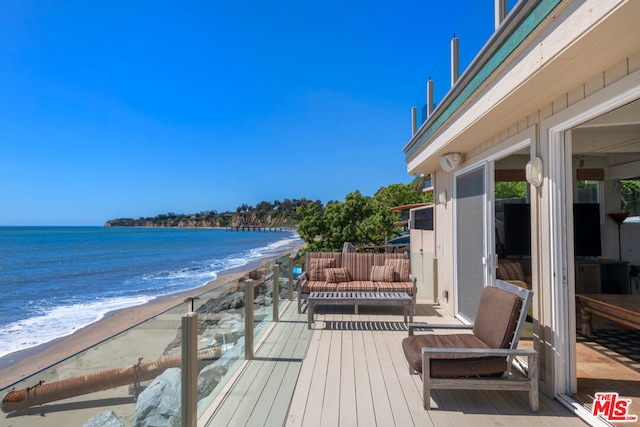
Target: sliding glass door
x=472 y=240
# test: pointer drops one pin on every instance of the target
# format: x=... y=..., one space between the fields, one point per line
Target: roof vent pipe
x=429 y=97
x=501 y=11
x=455 y=60
x=414 y=120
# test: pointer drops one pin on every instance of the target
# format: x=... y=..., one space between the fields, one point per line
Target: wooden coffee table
x=364 y=298
x=621 y=308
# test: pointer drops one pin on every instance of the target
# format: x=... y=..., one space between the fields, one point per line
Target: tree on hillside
x=359 y=219
x=401 y=194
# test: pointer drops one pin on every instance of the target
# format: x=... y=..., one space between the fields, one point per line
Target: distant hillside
x=264 y=214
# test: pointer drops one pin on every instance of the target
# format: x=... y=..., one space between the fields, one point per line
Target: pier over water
x=257 y=228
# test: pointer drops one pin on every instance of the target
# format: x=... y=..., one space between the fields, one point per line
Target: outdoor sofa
x=355 y=272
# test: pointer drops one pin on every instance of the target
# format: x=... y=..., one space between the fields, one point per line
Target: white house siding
x=586 y=48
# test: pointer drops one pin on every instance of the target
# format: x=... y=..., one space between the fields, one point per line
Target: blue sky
x=128 y=109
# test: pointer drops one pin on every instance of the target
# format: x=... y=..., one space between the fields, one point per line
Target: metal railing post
x=276 y=292
x=248 y=320
x=290 y=278
x=189 y=409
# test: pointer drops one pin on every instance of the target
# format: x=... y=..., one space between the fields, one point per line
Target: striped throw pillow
x=401 y=267
x=317 y=267
x=336 y=275
x=382 y=273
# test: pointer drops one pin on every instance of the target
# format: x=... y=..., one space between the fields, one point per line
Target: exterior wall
x=576 y=101
x=444 y=249
x=423 y=263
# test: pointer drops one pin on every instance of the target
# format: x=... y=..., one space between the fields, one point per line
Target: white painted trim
x=607 y=99
x=490 y=224
x=559 y=279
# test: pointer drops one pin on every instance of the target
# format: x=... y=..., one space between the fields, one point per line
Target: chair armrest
x=480 y=352
x=429 y=326
x=414 y=280
x=300 y=280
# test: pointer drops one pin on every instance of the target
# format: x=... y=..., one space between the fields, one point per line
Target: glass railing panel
x=285 y=279
x=115 y=375
x=221 y=324
x=136 y=374
x=263 y=300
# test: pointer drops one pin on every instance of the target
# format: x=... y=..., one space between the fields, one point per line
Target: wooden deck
x=350 y=371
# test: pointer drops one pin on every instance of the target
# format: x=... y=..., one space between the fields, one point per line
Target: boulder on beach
x=104 y=419
x=159 y=404
x=210 y=314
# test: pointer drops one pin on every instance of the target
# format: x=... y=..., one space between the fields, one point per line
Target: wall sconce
x=449 y=161
x=534 y=171
x=442 y=197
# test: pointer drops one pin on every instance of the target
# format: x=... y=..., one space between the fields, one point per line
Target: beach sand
x=147 y=342
x=33 y=360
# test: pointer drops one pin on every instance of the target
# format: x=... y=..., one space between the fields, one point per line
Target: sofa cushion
x=358 y=286
x=508 y=270
x=497 y=317
x=382 y=273
x=358 y=264
x=335 y=256
x=395 y=287
x=379 y=259
x=317 y=267
x=337 y=275
x=318 y=286
x=452 y=366
x=402 y=268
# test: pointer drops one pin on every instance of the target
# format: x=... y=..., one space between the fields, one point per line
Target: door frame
x=556 y=141
x=516 y=143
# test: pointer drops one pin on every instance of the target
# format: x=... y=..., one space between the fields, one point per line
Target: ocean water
x=55 y=280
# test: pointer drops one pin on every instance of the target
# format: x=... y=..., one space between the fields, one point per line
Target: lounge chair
x=481 y=359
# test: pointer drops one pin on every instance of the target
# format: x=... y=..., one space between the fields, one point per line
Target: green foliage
x=587 y=184
x=630 y=192
x=510 y=190
x=312 y=225
x=358 y=219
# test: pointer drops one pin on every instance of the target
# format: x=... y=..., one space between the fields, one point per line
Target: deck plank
x=301 y=393
x=350 y=371
x=348 y=402
x=331 y=408
x=285 y=367
x=276 y=366
x=249 y=387
x=381 y=404
x=408 y=388
x=387 y=353
x=313 y=410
